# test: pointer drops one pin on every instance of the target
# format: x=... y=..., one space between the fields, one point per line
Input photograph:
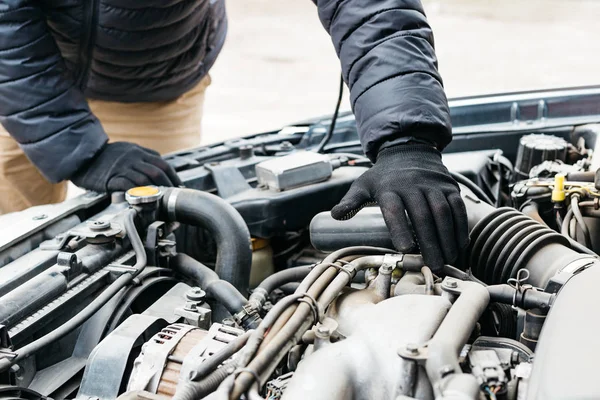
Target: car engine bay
x=241 y=285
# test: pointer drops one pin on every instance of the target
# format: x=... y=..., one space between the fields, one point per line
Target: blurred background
x=278 y=65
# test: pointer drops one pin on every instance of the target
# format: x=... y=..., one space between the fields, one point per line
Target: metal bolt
x=195 y=294
x=412 y=348
x=386 y=268
x=451 y=283
x=323 y=330
x=39 y=217
x=98 y=226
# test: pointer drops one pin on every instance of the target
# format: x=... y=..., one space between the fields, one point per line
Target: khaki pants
x=162 y=126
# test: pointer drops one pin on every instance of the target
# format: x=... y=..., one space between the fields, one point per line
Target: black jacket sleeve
x=389 y=63
x=40 y=105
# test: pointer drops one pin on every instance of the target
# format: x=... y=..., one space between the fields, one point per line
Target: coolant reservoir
x=262 y=261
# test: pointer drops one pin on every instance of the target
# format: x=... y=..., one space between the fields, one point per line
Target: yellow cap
x=558 y=193
x=143 y=194
x=142 y=191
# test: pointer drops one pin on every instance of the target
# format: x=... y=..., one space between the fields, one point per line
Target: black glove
x=120 y=166
x=411 y=179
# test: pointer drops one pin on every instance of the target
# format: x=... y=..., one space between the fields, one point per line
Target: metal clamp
x=520 y=286
x=344 y=268
x=171 y=205
x=312 y=302
x=391 y=261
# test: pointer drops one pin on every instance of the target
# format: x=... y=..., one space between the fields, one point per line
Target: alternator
x=170 y=357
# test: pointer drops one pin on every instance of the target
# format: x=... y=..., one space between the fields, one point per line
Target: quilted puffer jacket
x=55 y=53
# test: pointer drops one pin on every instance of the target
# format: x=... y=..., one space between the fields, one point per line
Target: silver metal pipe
x=442 y=366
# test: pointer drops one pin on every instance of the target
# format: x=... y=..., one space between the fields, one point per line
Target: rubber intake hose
x=207 y=279
x=504 y=240
x=205 y=210
x=366 y=228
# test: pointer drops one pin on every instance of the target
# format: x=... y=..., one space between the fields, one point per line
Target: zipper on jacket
x=88 y=40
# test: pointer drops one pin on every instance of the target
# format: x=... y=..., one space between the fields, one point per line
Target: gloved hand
x=120 y=166
x=411 y=178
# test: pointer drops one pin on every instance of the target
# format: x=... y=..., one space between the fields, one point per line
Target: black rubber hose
x=581 y=176
x=295 y=274
x=460 y=178
x=278 y=279
x=289 y=288
x=226 y=225
x=94 y=306
x=527 y=299
x=221 y=290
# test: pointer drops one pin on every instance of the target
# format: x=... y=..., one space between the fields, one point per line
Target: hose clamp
x=344 y=267
x=171 y=203
x=520 y=287
x=314 y=305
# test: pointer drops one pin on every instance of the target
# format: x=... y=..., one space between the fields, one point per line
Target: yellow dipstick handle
x=558 y=193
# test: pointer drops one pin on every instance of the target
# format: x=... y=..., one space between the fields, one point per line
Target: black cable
x=460 y=178
x=94 y=306
x=329 y=134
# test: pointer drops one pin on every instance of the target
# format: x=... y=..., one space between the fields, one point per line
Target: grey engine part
x=99 y=301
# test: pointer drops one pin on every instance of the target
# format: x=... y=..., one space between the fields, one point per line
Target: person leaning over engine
x=91 y=91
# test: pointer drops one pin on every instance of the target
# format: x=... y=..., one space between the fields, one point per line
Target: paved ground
x=278 y=65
